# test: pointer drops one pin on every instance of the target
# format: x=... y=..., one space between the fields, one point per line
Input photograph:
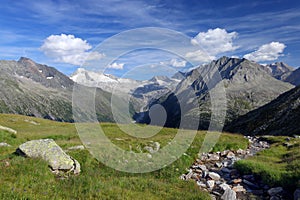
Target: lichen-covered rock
x=49 y=151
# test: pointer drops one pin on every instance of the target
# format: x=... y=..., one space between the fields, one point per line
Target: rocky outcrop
x=46 y=149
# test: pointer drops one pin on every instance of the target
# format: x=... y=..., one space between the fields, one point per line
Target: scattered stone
x=31 y=122
x=78 y=147
x=275 y=191
x=213 y=157
x=224 y=186
x=297 y=194
x=214 y=176
x=236 y=181
x=239 y=188
x=249 y=177
x=252 y=185
x=8 y=129
x=230 y=155
x=215 y=173
x=241 y=151
x=225 y=170
x=224 y=153
x=48 y=150
x=218 y=164
x=275 y=198
x=229 y=195
x=210 y=184
x=4 y=144
x=202 y=167
x=201 y=184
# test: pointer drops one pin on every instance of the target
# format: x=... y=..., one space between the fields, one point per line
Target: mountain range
x=29 y=88
x=248 y=85
x=251 y=90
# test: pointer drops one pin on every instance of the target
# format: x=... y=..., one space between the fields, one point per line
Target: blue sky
x=62 y=33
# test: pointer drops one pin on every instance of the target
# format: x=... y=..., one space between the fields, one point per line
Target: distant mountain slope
x=33 y=89
x=140 y=92
x=247 y=84
x=279 y=117
x=278 y=70
x=294 y=77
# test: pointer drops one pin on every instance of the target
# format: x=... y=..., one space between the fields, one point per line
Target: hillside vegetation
x=24 y=178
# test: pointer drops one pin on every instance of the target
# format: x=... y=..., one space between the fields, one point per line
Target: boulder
x=49 y=151
x=229 y=194
x=214 y=176
x=274 y=191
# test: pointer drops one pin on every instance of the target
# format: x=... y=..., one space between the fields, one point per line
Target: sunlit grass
x=27 y=178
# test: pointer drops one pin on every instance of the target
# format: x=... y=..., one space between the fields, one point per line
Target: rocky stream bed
x=215 y=173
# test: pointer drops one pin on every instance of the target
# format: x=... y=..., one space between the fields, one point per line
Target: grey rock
x=214 y=157
x=4 y=144
x=201 y=184
x=275 y=198
x=275 y=191
x=210 y=184
x=229 y=195
x=239 y=188
x=226 y=170
x=214 y=176
x=202 y=167
x=79 y=147
x=4 y=128
x=252 y=185
x=49 y=151
x=224 y=186
x=297 y=194
x=218 y=164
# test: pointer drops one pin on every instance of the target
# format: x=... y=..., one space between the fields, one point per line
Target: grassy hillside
x=23 y=178
x=277 y=166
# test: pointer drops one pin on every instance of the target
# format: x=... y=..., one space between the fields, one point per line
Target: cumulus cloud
x=215 y=41
x=267 y=52
x=200 y=56
x=212 y=43
x=69 y=49
x=116 y=66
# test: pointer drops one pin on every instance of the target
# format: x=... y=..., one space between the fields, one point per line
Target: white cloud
x=69 y=49
x=267 y=52
x=215 y=41
x=200 y=56
x=116 y=66
x=174 y=63
x=177 y=63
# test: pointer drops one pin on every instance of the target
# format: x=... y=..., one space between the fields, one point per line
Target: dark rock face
x=247 y=86
x=279 y=117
